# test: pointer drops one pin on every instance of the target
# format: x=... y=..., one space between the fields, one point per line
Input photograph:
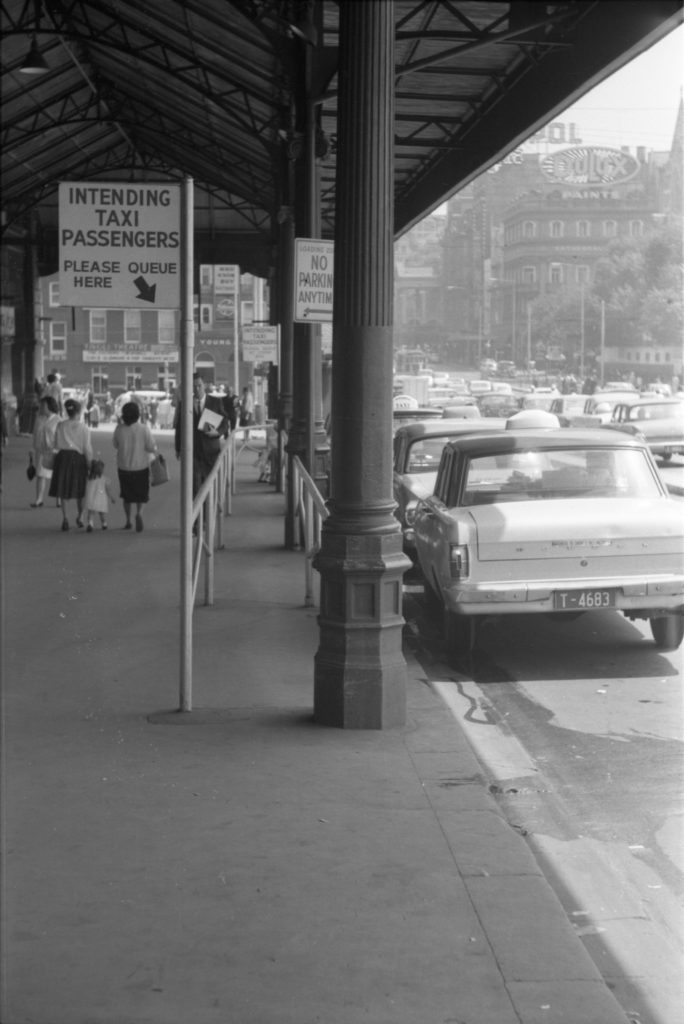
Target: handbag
x=159 y=473
x=30 y=469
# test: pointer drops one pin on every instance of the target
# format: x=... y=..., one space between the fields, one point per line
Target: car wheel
x=668 y=631
x=666 y=456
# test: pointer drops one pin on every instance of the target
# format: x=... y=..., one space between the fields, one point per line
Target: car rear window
x=550 y=475
x=656 y=412
x=424 y=454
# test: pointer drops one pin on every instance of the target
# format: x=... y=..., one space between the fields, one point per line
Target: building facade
x=118 y=349
x=535 y=226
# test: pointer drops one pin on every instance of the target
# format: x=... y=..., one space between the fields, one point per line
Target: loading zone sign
x=120 y=245
x=314 y=264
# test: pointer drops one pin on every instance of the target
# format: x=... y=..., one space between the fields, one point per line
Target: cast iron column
x=360 y=672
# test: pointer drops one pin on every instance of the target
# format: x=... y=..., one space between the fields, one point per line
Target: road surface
x=580 y=728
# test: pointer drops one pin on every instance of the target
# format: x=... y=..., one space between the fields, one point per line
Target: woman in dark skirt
x=72 y=461
x=134 y=444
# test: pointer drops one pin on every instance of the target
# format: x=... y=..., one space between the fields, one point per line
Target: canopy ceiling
x=165 y=89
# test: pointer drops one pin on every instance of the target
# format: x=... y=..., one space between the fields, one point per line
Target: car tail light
x=459 y=561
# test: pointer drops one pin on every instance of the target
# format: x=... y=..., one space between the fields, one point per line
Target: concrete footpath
x=239 y=864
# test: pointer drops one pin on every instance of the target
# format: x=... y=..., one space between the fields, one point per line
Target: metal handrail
x=212 y=503
x=310 y=513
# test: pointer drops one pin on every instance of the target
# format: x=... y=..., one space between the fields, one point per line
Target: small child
x=98 y=490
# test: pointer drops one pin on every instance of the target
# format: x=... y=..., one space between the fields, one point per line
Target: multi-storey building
x=118 y=349
x=104 y=349
x=535 y=224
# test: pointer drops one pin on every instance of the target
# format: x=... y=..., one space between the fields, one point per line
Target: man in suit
x=206 y=442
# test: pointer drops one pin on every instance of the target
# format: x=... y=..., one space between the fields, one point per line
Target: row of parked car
x=501 y=517
x=659 y=419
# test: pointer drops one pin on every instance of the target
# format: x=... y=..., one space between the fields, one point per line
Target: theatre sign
x=120 y=245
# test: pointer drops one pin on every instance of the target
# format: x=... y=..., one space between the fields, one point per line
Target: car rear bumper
x=504 y=598
x=663 y=448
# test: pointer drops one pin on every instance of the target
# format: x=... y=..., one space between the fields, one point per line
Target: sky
x=636 y=106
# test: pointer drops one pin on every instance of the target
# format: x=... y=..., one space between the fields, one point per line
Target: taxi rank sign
x=120 y=245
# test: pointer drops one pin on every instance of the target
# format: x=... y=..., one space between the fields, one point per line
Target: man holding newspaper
x=211 y=421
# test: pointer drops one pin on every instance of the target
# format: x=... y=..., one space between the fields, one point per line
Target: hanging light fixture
x=34 y=62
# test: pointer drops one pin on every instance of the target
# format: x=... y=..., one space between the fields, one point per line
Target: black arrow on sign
x=145 y=291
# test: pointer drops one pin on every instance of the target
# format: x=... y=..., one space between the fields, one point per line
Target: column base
x=359 y=669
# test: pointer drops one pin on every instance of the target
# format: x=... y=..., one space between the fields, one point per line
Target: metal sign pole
x=187 y=361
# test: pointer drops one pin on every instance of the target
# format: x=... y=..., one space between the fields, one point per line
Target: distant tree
x=556 y=321
x=640 y=279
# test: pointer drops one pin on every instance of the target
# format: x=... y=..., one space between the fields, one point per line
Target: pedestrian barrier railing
x=212 y=503
x=310 y=513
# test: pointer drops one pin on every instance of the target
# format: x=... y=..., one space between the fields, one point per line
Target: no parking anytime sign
x=314 y=266
x=120 y=245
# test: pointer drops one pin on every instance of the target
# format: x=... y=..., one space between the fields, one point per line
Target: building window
x=583 y=228
x=206 y=314
x=529 y=229
x=54 y=293
x=555 y=273
x=133 y=379
x=609 y=229
x=529 y=275
x=668 y=357
x=58 y=338
x=556 y=228
x=167 y=327
x=636 y=227
x=206 y=277
x=583 y=274
x=132 y=326
x=100 y=382
x=98 y=326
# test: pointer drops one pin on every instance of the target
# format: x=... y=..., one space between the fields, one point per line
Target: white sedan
x=551 y=521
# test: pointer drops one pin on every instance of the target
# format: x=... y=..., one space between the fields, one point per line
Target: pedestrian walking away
x=43 y=450
x=98 y=495
x=134 y=444
x=72 y=461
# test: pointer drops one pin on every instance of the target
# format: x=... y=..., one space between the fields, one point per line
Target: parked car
x=443 y=396
x=566 y=406
x=416 y=415
x=498 y=404
x=506 y=368
x=550 y=521
x=538 y=400
x=598 y=408
x=660 y=421
x=466 y=409
x=145 y=397
x=418 y=449
x=480 y=387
